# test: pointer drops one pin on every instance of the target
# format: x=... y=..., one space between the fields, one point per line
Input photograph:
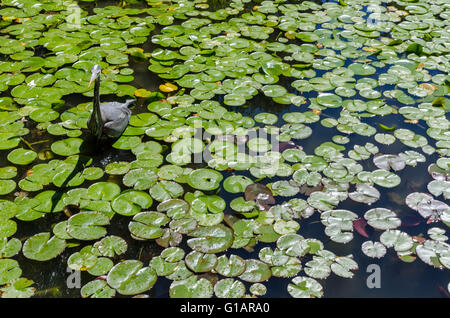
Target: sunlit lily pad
x=305 y=287
x=131 y=202
x=212 y=239
x=131 y=278
x=67 y=147
x=205 y=179
x=382 y=219
x=87 y=225
x=41 y=247
x=22 y=156
x=229 y=288
x=255 y=271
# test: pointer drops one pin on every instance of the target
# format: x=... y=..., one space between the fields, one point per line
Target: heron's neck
x=96 y=106
x=95 y=123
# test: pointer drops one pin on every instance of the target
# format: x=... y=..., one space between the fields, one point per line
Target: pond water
x=400 y=89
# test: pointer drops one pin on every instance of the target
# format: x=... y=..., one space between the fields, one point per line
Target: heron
x=107 y=119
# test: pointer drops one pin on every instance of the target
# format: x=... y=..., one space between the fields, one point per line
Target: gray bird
x=109 y=119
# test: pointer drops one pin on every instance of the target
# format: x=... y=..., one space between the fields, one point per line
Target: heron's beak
x=93 y=78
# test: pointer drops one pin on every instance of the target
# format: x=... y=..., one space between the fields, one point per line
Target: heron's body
x=107 y=119
x=115 y=118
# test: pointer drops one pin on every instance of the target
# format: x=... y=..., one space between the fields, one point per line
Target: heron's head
x=95 y=73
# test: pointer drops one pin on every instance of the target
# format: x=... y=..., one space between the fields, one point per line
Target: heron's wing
x=113 y=111
x=117 y=116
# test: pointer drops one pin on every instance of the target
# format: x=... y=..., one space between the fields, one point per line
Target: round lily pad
x=87 y=225
x=305 y=287
x=229 y=288
x=131 y=202
x=255 y=271
x=131 y=278
x=41 y=247
x=67 y=147
x=22 y=156
x=211 y=239
x=374 y=250
x=205 y=179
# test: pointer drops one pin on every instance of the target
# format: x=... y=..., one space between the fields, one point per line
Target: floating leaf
x=131 y=278
x=305 y=287
x=41 y=247
x=87 y=225
x=374 y=250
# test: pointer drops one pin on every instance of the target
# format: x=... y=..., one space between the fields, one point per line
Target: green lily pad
x=205 y=179
x=147 y=225
x=131 y=202
x=67 y=147
x=200 y=262
x=255 y=271
x=131 y=278
x=97 y=289
x=41 y=247
x=374 y=250
x=211 y=239
x=87 y=225
x=229 y=288
x=22 y=156
x=191 y=287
